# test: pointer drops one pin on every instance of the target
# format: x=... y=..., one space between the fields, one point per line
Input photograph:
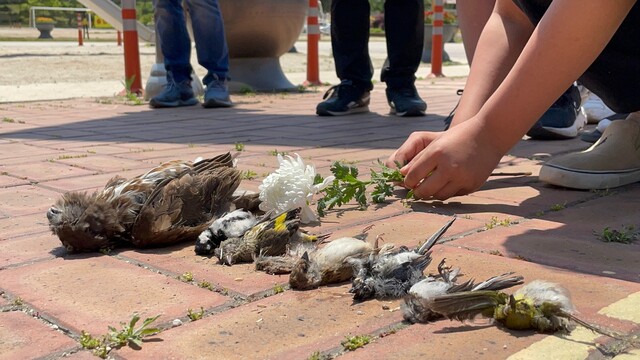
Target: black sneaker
x=593 y=136
x=563 y=120
x=405 y=101
x=344 y=99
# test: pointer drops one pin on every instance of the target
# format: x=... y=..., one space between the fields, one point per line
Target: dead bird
x=389 y=272
x=300 y=243
x=269 y=237
x=415 y=307
x=231 y=225
x=170 y=203
x=328 y=264
x=540 y=305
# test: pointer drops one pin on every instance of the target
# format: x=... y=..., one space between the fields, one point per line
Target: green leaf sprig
x=347 y=187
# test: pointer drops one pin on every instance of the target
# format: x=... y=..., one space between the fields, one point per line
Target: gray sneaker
x=174 y=94
x=217 y=94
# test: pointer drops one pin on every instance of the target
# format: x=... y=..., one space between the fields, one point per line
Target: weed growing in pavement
x=627 y=235
x=186 y=277
x=278 y=288
x=355 y=342
x=128 y=335
x=558 y=207
x=497 y=222
x=248 y=175
x=195 y=315
x=239 y=146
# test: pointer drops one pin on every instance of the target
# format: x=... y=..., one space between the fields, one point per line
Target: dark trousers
x=404 y=29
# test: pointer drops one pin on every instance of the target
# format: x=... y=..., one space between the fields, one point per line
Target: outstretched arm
x=516 y=75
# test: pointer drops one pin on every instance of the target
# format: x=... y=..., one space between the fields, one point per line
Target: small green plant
x=278 y=288
x=131 y=335
x=186 y=277
x=275 y=152
x=497 y=222
x=346 y=186
x=66 y=157
x=239 y=146
x=355 y=342
x=192 y=145
x=8 y=120
x=558 y=207
x=131 y=96
x=247 y=90
x=627 y=235
x=205 y=285
x=195 y=315
x=301 y=88
x=248 y=175
x=495 y=252
x=317 y=356
x=99 y=347
x=539 y=213
x=18 y=301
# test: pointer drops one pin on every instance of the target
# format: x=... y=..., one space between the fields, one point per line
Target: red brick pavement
x=52 y=147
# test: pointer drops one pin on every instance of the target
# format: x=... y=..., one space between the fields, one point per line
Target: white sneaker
x=595 y=109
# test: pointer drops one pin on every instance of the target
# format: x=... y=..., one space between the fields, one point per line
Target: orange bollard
x=313 y=37
x=119 y=38
x=79 y=18
x=131 y=53
x=436 y=44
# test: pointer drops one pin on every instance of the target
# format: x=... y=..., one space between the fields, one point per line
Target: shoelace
x=335 y=89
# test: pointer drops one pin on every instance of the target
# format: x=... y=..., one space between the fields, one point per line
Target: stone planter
x=258 y=33
x=45 y=30
x=448 y=32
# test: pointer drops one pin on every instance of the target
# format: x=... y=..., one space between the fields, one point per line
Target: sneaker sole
x=158 y=105
x=408 y=113
x=342 y=113
x=587 y=180
x=551 y=133
x=212 y=103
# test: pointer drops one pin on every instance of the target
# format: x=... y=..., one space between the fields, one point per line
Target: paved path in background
x=53 y=70
x=510 y=224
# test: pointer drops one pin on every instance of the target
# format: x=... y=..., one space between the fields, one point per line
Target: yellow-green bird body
x=540 y=305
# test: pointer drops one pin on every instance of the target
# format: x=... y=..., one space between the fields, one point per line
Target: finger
x=430 y=185
x=417 y=169
x=408 y=150
x=450 y=190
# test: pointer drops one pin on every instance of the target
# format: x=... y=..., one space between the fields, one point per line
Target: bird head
x=84 y=222
x=299 y=277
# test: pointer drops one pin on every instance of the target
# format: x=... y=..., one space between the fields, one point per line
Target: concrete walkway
x=47 y=297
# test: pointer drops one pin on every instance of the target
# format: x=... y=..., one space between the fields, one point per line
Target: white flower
x=291 y=186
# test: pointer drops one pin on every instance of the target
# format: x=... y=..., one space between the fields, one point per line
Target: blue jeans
x=208 y=31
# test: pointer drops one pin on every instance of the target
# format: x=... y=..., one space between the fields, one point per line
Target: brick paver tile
x=33 y=224
x=29 y=248
x=43 y=171
x=23 y=337
x=90 y=293
x=26 y=200
x=286 y=326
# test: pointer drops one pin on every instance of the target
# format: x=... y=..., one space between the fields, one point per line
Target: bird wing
x=434 y=238
x=467 y=305
x=179 y=208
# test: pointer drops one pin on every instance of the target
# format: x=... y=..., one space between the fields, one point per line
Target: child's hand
x=415 y=143
x=451 y=163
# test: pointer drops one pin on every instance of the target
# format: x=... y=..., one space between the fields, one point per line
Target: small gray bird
x=268 y=237
x=328 y=265
x=170 y=203
x=231 y=225
x=389 y=272
x=300 y=243
x=415 y=307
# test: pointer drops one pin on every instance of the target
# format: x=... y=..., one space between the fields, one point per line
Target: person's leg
x=176 y=48
x=472 y=16
x=404 y=31
x=350 y=45
x=212 y=50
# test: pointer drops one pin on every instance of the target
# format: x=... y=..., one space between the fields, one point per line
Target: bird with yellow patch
x=268 y=237
x=540 y=305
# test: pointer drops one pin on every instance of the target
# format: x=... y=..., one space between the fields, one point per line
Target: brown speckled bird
x=171 y=203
